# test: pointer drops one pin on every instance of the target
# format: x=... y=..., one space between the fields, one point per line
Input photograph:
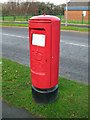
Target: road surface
x=73 y=51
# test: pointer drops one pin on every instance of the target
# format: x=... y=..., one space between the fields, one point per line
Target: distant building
x=76 y=8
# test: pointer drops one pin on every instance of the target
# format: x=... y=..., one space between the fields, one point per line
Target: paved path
x=14 y=112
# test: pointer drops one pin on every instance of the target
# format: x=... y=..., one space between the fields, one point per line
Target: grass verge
x=74 y=28
x=62 y=27
x=72 y=99
x=14 y=24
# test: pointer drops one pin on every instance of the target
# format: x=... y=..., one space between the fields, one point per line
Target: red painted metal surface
x=44 y=60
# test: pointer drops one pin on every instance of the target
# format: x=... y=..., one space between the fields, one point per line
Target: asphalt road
x=73 y=51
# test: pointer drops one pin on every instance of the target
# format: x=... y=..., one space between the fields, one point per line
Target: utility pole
x=66 y=12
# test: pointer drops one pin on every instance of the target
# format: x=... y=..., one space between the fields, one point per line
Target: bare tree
x=31 y=7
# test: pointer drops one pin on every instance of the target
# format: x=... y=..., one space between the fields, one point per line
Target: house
x=76 y=8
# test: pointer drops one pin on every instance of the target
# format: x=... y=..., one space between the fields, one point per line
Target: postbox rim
x=45 y=18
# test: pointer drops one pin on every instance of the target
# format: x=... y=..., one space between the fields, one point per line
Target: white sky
x=51 y=1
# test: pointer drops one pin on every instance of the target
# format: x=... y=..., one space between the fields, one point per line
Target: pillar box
x=44 y=42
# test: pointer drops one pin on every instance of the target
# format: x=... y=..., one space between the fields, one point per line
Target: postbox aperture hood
x=44 y=18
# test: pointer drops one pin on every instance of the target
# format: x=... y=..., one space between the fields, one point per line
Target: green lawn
x=72 y=99
x=76 y=21
x=25 y=18
x=17 y=18
x=62 y=27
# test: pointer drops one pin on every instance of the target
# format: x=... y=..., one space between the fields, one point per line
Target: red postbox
x=44 y=41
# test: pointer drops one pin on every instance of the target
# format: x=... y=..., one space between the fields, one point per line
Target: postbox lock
x=51 y=57
x=46 y=60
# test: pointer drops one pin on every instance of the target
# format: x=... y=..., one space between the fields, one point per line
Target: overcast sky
x=79 y=0
x=51 y=1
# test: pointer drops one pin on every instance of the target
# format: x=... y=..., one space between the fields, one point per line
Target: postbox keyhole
x=46 y=60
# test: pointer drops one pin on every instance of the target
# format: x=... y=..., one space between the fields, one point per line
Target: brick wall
x=77 y=15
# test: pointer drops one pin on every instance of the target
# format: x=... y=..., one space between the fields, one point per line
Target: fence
x=19 y=18
x=15 y=18
x=26 y=18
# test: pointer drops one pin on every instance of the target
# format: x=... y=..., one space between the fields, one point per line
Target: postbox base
x=44 y=96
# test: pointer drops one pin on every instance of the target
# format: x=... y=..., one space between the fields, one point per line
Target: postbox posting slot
x=38 y=28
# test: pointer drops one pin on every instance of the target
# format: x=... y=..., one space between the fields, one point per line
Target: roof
x=79 y=3
x=78 y=8
x=79 y=0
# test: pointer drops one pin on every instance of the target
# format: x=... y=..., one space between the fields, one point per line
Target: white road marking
x=80 y=45
x=77 y=44
x=13 y=35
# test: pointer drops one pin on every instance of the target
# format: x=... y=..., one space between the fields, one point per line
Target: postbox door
x=40 y=54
